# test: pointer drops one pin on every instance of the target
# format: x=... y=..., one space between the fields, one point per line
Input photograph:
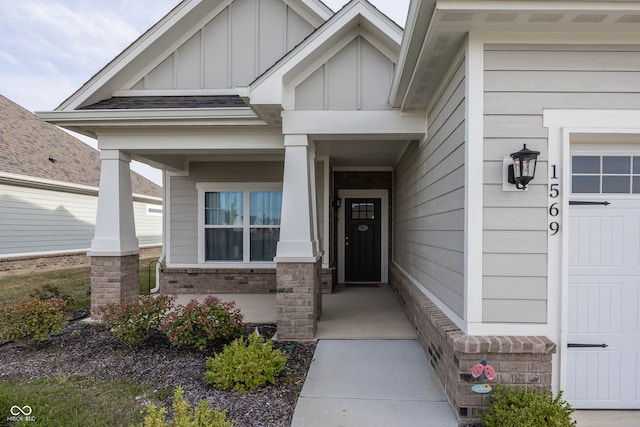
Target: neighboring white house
x=48 y=195
x=304 y=148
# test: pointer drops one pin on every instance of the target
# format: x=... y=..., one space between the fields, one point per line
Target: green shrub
x=245 y=365
x=519 y=407
x=132 y=321
x=46 y=292
x=184 y=416
x=202 y=325
x=32 y=319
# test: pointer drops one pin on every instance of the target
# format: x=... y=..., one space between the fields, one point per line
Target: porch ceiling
x=362 y=153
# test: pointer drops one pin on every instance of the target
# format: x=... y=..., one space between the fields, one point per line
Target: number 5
x=555 y=192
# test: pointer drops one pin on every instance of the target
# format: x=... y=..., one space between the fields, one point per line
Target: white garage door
x=603 y=354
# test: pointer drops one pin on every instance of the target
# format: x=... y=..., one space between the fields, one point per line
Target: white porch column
x=298 y=228
x=114 y=248
x=115 y=233
x=298 y=258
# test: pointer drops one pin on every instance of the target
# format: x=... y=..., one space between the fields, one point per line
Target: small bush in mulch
x=245 y=365
x=510 y=406
x=134 y=321
x=184 y=416
x=33 y=319
x=202 y=325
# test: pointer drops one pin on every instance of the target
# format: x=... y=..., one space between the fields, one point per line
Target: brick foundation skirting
x=520 y=361
x=228 y=280
x=26 y=264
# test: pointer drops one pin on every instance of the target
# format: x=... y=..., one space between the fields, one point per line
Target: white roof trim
x=50 y=184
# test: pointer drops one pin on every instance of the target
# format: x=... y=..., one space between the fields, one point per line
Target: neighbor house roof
x=33 y=148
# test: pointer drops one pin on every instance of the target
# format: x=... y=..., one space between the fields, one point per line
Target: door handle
x=579 y=345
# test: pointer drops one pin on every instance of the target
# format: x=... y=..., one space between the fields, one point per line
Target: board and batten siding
x=35 y=220
x=358 y=77
x=520 y=82
x=429 y=200
x=234 y=48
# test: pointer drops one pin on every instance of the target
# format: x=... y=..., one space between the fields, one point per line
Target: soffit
x=453 y=20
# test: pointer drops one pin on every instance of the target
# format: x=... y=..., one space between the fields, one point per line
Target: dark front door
x=362 y=240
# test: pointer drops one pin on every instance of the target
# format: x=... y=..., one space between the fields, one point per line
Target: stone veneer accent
x=228 y=280
x=114 y=279
x=26 y=264
x=520 y=361
x=298 y=300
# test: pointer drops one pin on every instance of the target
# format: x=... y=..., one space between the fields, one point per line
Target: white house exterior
x=48 y=196
x=326 y=148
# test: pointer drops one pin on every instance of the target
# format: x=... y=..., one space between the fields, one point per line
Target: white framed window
x=154 y=210
x=239 y=223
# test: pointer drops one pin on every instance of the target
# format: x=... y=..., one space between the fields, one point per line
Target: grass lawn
x=74 y=282
x=72 y=401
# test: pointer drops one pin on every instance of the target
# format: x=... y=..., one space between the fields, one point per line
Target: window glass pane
x=362 y=211
x=223 y=244
x=585 y=164
x=636 y=165
x=265 y=207
x=616 y=164
x=223 y=208
x=264 y=242
x=616 y=184
x=636 y=185
x=585 y=184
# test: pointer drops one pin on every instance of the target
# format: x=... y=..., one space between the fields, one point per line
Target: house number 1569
x=554 y=193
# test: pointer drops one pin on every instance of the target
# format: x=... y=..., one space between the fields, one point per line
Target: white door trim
x=562 y=125
x=383 y=195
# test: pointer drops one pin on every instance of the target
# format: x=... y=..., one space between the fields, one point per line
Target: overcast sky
x=50 y=48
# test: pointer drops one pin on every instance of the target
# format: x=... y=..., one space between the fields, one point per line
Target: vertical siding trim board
x=474 y=180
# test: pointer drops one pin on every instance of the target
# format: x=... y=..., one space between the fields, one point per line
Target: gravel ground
x=90 y=351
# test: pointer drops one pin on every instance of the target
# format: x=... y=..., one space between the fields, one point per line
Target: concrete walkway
x=353 y=383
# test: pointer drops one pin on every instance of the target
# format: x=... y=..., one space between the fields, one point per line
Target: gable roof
x=356 y=18
x=36 y=149
x=172 y=30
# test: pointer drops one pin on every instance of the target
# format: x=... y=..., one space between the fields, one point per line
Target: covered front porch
x=351 y=312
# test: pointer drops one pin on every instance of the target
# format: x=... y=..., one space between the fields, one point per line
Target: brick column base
x=114 y=279
x=298 y=299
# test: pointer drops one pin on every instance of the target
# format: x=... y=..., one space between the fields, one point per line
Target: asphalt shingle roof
x=158 y=102
x=32 y=147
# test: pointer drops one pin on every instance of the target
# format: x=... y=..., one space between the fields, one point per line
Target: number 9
x=554 y=227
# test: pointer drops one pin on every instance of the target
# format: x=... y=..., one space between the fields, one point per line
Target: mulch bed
x=89 y=350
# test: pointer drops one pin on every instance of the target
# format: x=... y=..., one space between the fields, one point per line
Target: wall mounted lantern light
x=523 y=169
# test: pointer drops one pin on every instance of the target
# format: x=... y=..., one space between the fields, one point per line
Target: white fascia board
x=392 y=123
x=419 y=19
x=314 y=12
x=267 y=89
x=241 y=116
x=520 y=5
x=185 y=141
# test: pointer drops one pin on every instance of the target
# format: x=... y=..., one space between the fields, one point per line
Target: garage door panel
x=603 y=303
x=594 y=308
x=598 y=242
x=602 y=378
